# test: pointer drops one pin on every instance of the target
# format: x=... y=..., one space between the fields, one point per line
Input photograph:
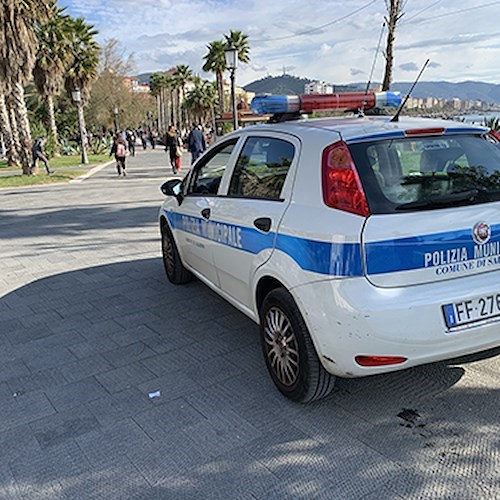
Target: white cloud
x=162 y=32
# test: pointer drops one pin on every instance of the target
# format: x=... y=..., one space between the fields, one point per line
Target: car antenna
x=395 y=118
x=375 y=59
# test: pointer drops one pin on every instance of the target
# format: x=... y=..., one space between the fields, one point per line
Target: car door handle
x=205 y=213
x=263 y=223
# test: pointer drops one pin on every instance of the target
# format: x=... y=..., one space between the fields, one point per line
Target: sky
x=328 y=40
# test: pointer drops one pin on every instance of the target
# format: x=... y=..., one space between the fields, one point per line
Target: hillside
x=285 y=85
x=290 y=85
x=467 y=91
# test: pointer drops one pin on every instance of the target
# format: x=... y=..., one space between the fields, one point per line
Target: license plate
x=472 y=310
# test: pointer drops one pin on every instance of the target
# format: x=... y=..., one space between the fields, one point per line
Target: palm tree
x=240 y=41
x=181 y=76
x=201 y=101
x=18 y=46
x=215 y=61
x=83 y=68
x=155 y=87
x=6 y=129
x=52 y=59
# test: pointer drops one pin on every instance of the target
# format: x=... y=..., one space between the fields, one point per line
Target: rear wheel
x=174 y=268
x=289 y=352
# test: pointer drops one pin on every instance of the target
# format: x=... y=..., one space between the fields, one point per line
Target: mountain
x=286 y=85
x=466 y=91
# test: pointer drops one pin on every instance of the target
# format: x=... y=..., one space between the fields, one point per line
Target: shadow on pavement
x=81 y=353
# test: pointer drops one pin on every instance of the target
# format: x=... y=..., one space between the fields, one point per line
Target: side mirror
x=172 y=188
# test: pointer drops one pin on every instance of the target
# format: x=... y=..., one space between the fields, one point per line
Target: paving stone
x=45 y=358
x=85 y=367
x=37 y=381
x=118 y=405
x=75 y=393
x=128 y=354
x=124 y=377
x=64 y=426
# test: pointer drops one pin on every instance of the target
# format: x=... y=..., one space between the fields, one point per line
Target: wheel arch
x=265 y=285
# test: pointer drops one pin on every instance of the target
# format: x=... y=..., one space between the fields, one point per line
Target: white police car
x=360 y=245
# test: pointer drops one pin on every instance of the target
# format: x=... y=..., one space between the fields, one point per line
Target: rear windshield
x=428 y=172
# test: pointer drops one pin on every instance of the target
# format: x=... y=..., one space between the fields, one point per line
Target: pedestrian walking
x=173 y=146
x=38 y=154
x=151 y=138
x=131 y=142
x=143 y=140
x=196 y=142
x=120 y=151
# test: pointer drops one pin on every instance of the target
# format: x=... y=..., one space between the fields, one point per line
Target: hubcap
x=281 y=346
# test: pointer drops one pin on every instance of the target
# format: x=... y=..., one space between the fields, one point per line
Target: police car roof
x=375 y=127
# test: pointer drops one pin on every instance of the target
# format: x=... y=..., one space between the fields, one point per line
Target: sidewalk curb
x=91 y=172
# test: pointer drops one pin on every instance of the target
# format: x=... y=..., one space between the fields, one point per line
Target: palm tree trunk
x=23 y=126
x=179 y=112
x=174 y=109
x=164 y=110
x=167 y=109
x=6 y=132
x=49 y=100
x=158 y=109
x=220 y=90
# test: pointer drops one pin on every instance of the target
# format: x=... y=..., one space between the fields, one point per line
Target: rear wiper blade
x=441 y=201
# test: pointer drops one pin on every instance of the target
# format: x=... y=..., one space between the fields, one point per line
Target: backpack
x=120 y=149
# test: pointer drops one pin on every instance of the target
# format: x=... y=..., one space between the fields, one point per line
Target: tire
x=289 y=352
x=174 y=268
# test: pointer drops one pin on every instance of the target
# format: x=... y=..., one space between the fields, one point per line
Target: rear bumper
x=351 y=317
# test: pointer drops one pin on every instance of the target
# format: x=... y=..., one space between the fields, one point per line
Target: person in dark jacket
x=38 y=154
x=196 y=143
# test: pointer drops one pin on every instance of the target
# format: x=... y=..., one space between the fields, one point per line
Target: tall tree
x=18 y=46
x=84 y=64
x=395 y=13
x=53 y=57
x=6 y=129
x=181 y=76
x=240 y=41
x=215 y=61
x=201 y=101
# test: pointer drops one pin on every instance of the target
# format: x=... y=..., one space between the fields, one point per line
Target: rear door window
x=428 y=172
x=261 y=168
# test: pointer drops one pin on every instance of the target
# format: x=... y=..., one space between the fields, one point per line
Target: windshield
x=421 y=173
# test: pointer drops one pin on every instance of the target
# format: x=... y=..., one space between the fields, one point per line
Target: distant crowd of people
x=124 y=143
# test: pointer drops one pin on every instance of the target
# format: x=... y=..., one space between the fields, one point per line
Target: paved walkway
x=90 y=327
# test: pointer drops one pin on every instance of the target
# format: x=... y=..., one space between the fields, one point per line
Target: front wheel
x=289 y=352
x=174 y=268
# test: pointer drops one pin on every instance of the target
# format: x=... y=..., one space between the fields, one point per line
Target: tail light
x=342 y=187
x=379 y=360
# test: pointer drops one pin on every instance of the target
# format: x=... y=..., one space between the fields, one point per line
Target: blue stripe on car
x=405 y=254
x=343 y=259
x=337 y=259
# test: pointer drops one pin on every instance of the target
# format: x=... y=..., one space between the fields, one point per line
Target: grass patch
x=64 y=162
x=41 y=178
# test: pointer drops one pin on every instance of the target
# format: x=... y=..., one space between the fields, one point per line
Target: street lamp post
x=231 y=53
x=77 y=99
x=115 y=113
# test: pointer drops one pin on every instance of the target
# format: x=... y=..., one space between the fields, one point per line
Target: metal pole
x=233 y=100
x=83 y=134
